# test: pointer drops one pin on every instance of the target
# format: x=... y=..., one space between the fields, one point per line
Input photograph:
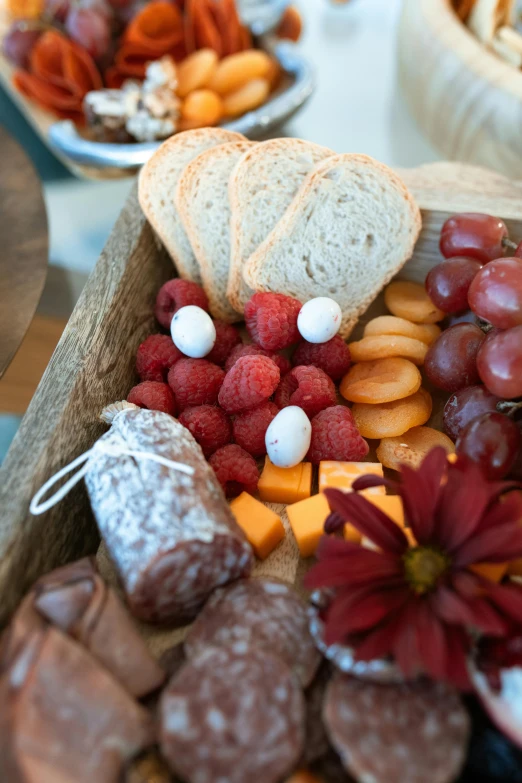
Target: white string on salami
x=100 y=447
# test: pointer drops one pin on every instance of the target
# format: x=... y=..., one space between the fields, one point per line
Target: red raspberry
x=227 y=338
x=271 y=320
x=175 y=294
x=335 y=437
x=333 y=357
x=195 y=382
x=250 y=428
x=308 y=387
x=209 y=425
x=251 y=381
x=251 y=349
x=236 y=470
x=154 y=396
x=156 y=355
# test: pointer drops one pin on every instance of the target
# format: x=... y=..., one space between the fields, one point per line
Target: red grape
x=465 y=405
x=466 y=317
x=473 y=234
x=492 y=441
x=90 y=28
x=499 y=363
x=450 y=362
x=447 y=284
x=496 y=293
x=518 y=251
x=18 y=44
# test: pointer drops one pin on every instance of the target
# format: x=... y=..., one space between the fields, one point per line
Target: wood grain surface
x=466 y=99
x=94 y=365
x=24 y=253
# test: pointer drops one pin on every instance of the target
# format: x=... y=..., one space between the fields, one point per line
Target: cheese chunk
x=389 y=504
x=341 y=475
x=261 y=526
x=495 y=572
x=307 y=520
x=285 y=485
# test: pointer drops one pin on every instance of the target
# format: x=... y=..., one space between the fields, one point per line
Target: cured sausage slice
x=171 y=535
x=260 y=612
x=402 y=733
x=233 y=714
x=316 y=741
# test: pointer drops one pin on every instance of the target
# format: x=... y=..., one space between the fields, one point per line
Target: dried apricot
x=410 y=300
x=411 y=447
x=274 y=74
x=236 y=70
x=392 y=418
x=196 y=71
x=382 y=346
x=203 y=107
x=390 y=324
x=248 y=97
x=383 y=380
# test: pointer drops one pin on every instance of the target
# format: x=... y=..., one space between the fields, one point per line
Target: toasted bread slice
x=351 y=227
x=487 y=16
x=157 y=183
x=202 y=201
x=261 y=188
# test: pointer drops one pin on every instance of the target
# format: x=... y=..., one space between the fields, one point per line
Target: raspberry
x=271 y=320
x=251 y=381
x=154 y=396
x=209 y=425
x=251 y=349
x=236 y=470
x=155 y=356
x=227 y=338
x=249 y=428
x=335 y=437
x=175 y=294
x=308 y=387
x=195 y=382
x=333 y=357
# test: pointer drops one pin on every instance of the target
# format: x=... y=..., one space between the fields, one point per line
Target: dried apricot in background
x=236 y=70
x=411 y=447
x=247 y=98
x=383 y=380
x=392 y=418
x=196 y=71
x=410 y=301
x=382 y=346
x=200 y=109
x=291 y=25
x=390 y=324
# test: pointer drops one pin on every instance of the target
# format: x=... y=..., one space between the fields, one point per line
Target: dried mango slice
x=411 y=447
x=383 y=380
x=25 y=9
x=410 y=301
x=390 y=419
x=390 y=324
x=382 y=346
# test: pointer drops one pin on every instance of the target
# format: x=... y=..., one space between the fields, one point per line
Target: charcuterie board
x=93 y=365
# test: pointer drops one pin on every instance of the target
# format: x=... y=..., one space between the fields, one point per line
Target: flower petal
x=459 y=645
x=508 y=598
x=379 y=642
x=431 y=642
x=419 y=491
x=359 y=610
x=474 y=614
x=366 y=566
x=506 y=509
x=369 y=520
x=372 y=480
x=496 y=544
x=405 y=647
x=462 y=503
x=334 y=522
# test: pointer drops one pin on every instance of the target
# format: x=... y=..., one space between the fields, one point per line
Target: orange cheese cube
x=285 y=485
x=262 y=527
x=515 y=567
x=307 y=520
x=389 y=504
x=495 y=572
x=341 y=475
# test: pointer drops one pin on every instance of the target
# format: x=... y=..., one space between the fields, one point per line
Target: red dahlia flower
x=421 y=602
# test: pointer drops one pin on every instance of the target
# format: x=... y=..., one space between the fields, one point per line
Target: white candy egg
x=288 y=437
x=319 y=319
x=193 y=332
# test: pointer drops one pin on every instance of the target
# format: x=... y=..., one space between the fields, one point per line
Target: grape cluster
x=479 y=356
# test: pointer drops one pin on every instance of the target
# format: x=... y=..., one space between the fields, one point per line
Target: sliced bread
x=261 y=188
x=351 y=227
x=202 y=201
x=156 y=186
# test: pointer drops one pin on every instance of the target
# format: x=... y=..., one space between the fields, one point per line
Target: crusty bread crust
x=156 y=184
x=364 y=270
x=210 y=241
x=248 y=179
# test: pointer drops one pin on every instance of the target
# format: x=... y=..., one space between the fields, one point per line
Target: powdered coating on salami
x=260 y=612
x=171 y=535
x=233 y=714
x=401 y=733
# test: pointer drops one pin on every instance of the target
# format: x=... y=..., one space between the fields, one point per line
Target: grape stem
x=509 y=407
x=508 y=244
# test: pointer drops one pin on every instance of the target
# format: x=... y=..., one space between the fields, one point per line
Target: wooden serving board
x=93 y=365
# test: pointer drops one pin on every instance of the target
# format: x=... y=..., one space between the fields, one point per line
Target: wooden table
x=24 y=246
